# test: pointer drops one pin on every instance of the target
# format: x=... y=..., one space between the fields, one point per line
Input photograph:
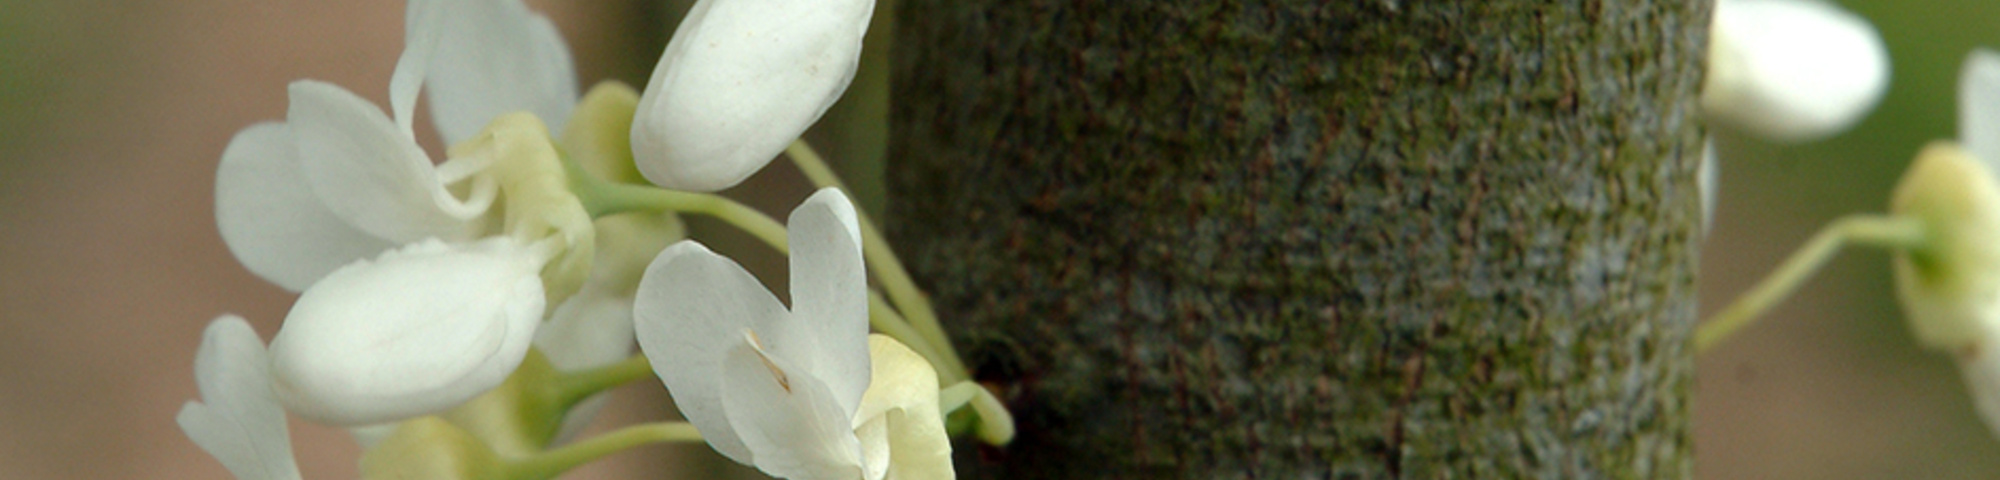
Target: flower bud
x=1792 y=70
x=1950 y=288
x=414 y=332
x=739 y=81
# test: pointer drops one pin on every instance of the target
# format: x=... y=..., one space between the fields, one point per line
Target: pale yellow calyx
x=539 y=206
x=1950 y=287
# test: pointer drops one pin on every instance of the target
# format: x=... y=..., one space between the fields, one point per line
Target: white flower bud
x=739 y=81
x=1792 y=70
x=1950 y=288
x=415 y=332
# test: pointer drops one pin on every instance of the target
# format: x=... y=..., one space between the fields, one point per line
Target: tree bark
x=1308 y=238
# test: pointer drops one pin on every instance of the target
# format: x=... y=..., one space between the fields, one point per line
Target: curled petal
x=414 y=332
x=902 y=406
x=1979 y=106
x=238 y=420
x=692 y=306
x=496 y=57
x=373 y=177
x=1792 y=70
x=270 y=218
x=788 y=417
x=738 y=82
x=828 y=328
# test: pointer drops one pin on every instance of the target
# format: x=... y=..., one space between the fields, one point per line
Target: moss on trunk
x=1310 y=239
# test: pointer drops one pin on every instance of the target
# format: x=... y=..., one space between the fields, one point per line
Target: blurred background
x=113 y=115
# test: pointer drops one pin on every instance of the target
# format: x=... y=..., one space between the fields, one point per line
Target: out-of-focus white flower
x=1950 y=287
x=415 y=332
x=739 y=81
x=789 y=391
x=238 y=420
x=1792 y=70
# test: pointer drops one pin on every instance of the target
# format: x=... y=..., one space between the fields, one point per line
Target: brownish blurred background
x=113 y=115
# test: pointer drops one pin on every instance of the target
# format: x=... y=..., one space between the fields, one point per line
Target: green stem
x=1885 y=231
x=571 y=388
x=552 y=463
x=882 y=260
x=602 y=198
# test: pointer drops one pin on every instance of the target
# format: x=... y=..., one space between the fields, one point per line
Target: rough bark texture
x=1307 y=238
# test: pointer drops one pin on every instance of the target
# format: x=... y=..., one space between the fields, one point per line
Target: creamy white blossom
x=739 y=80
x=238 y=420
x=307 y=202
x=1792 y=70
x=417 y=331
x=789 y=390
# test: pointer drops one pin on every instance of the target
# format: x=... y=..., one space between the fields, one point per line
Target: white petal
x=788 y=417
x=238 y=421
x=415 y=332
x=1792 y=70
x=829 y=328
x=364 y=171
x=905 y=396
x=270 y=218
x=738 y=82
x=1979 y=106
x=496 y=57
x=691 y=307
x=423 y=28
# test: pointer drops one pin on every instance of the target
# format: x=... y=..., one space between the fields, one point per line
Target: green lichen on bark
x=1310 y=239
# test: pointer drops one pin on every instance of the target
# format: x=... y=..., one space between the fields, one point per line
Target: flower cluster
x=449 y=310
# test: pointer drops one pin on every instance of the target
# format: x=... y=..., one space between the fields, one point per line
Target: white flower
x=739 y=81
x=307 y=202
x=339 y=181
x=238 y=420
x=1792 y=70
x=789 y=391
x=1950 y=289
x=415 y=332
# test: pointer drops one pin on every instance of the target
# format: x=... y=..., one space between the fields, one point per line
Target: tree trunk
x=1309 y=238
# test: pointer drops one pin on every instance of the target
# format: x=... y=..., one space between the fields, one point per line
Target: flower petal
x=415 y=332
x=691 y=307
x=828 y=330
x=496 y=57
x=423 y=28
x=364 y=171
x=738 y=82
x=270 y=218
x=788 y=417
x=238 y=421
x=1979 y=106
x=1792 y=70
x=905 y=395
